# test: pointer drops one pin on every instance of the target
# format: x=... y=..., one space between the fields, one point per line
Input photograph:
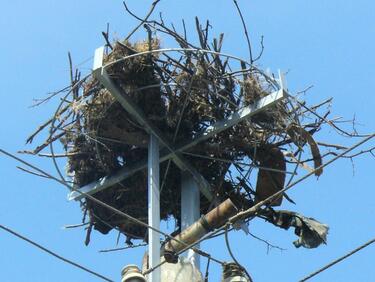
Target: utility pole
x=190 y=210
x=153 y=208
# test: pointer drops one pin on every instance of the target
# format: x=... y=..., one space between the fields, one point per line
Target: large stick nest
x=181 y=92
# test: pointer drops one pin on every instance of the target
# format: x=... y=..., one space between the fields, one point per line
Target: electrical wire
x=54 y=254
x=253 y=210
x=109 y=207
x=240 y=215
x=338 y=260
x=232 y=255
x=236 y=162
x=207 y=270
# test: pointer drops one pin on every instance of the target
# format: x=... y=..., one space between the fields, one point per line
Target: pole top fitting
x=131 y=273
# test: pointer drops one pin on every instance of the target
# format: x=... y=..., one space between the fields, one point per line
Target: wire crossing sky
x=365 y=245
x=44 y=249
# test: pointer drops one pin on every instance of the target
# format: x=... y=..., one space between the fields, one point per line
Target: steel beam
x=153 y=208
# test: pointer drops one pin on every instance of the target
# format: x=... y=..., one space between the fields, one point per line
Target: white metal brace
x=169 y=151
x=244 y=113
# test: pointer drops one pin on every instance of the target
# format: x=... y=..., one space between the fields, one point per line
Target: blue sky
x=328 y=44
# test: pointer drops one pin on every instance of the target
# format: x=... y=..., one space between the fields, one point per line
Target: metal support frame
x=153 y=208
x=243 y=114
x=170 y=151
x=192 y=181
x=190 y=210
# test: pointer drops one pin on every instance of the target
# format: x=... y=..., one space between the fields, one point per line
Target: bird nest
x=182 y=92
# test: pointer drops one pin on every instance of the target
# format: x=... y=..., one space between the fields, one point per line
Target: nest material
x=181 y=93
x=202 y=94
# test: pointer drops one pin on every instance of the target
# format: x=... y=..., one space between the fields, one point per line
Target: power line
x=338 y=260
x=54 y=254
x=232 y=255
x=251 y=211
x=125 y=215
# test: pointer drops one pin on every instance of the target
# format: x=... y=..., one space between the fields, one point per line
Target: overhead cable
x=116 y=211
x=252 y=211
x=244 y=214
x=54 y=254
x=338 y=260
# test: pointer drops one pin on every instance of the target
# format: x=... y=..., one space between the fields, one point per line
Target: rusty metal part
x=212 y=220
x=219 y=215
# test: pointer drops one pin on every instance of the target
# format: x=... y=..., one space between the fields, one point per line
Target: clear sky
x=328 y=44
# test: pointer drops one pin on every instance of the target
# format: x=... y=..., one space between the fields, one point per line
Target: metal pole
x=190 y=210
x=153 y=208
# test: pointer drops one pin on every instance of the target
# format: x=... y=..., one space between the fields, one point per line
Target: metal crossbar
x=169 y=151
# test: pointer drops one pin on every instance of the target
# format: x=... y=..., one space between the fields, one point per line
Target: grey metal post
x=190 y=209
x=153 y=208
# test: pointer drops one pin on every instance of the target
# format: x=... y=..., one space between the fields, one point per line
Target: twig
x=108 y=43
x=330 y=122
x=45 y=144
x=142 y=21
x=245 y=30
x=336 y=146
x=31 y=172
x=269 y=245
x=261 y=50
x=304 y=90
x=44 y=125
x=75 y=225
x=61 y=155
x=123 y=248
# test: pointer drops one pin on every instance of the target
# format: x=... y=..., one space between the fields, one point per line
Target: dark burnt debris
x=181 y=92
x=311 y=233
